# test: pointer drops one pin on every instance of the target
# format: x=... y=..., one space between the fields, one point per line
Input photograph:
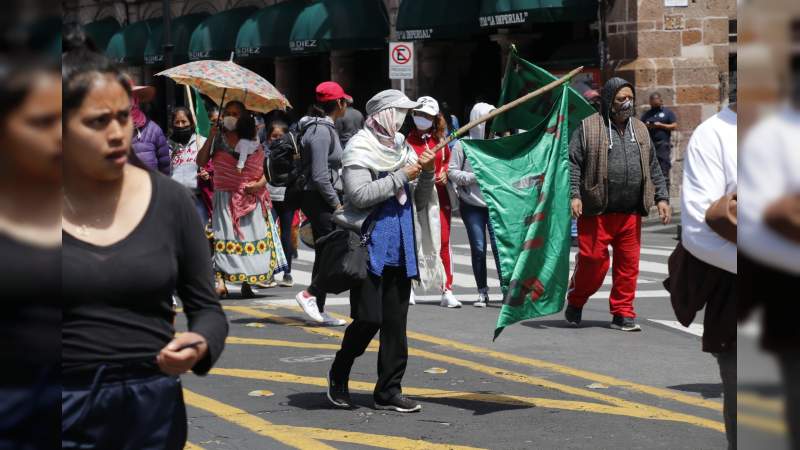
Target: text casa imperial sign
x=413 y=35
x=498 y=20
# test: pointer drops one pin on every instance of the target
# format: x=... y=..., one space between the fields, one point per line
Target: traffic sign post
x=401 y=62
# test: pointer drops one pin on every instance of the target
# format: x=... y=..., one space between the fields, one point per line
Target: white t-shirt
x=709 y=172
x=183 y=159
x=770 y=170
x=479 y=110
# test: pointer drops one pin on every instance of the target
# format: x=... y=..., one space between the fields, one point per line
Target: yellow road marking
x=762 y=423
x=307 y=437
x=541 y=364
x=253 y=423
x=759 y=402
x=641 y=410
x=428 y=393
x=190 y=446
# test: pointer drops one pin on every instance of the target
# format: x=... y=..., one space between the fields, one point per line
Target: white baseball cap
x=428 y=105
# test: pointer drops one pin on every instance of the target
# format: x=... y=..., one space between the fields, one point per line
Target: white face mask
x=229 y=122
x=422 y=123
x=399 y=117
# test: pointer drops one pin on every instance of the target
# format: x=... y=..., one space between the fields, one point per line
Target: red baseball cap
x=329 y=91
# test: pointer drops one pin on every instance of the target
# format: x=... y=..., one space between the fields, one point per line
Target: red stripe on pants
x=623 y=232
x=445 y=214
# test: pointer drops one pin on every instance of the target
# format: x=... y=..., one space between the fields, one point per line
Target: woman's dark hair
x=323 y=109
x=238 y=105
x=18 y=73
x=246 y=126
x=447 y=112
x=277 y=124
x=185 y=111
x=81 y=66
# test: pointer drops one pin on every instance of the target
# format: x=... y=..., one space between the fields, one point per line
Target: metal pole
x=403 y=85
x=168 y=56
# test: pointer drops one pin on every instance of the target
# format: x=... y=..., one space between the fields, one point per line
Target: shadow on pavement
x=707 y=390
x=316 y=401
x=561 y=323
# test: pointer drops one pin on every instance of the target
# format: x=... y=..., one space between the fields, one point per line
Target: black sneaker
x=399 y=403
x=625 y=324
x=573 y=315
x=338 y=394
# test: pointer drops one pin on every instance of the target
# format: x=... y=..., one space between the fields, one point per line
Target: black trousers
x=381 y=303
x=320 y=214
x=727 y=371
x=663 y=153
x=790 y=369
x=129 y=414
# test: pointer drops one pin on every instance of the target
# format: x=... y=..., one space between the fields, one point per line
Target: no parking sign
x=401 y=60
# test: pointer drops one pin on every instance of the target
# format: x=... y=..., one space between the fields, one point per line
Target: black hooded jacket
x=625 y=178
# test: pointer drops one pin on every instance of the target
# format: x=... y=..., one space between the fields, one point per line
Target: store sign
x=401 y=61
x=499 y=20
x=199 y=55
x=676 y=3
x=301 y=46
x=153 y=59
x=244 y=52
x=415 y=35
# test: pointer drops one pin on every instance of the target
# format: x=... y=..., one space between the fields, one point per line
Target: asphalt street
x=540 y=385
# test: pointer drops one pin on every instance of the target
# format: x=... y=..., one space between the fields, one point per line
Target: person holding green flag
x=615 y=179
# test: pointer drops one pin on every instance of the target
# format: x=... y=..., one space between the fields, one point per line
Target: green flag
x=523 y=77
x=203 y=126
x=524 y=179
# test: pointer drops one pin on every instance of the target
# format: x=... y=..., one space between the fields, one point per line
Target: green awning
x=437 y=19
x=340 y=24
x=182 y=28
x=215 y=37
x=509 y=13
x=266 y=33
x=127 y=45
x=101 y=31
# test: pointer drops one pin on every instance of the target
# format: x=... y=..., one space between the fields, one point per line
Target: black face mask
x=182 y=134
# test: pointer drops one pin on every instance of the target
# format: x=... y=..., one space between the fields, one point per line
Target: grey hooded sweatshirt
x=321 y=156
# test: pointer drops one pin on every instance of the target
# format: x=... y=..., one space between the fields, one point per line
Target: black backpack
x=283 y=166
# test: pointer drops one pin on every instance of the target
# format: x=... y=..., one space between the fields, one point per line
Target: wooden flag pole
x=505 y=108
x=191 y=107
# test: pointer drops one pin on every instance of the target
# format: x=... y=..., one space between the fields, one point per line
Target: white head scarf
x=378 y=146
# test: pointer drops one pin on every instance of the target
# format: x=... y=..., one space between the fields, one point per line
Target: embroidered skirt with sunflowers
x=253 y=259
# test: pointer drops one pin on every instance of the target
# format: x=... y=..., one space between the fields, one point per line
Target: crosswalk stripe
x=463 y=276
x=694 y=329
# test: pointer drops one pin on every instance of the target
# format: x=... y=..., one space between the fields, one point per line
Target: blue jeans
x=284 y=213
x=476 y=220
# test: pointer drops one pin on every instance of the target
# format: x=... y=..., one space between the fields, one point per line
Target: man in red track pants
x=615 y=178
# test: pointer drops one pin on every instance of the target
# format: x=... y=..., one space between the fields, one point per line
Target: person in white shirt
x=184 y=143
x=709 y=173
x=769 y=240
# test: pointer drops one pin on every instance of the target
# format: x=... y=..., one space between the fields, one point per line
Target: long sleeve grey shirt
x=321 y=153
x=362 y=193
x=460 y=173
x=624 y=171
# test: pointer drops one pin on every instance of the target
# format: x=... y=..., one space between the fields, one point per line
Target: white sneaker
x=412 y=299
x=330 y=321
x=449 y=300
x=483 y=299
x=309 y=305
